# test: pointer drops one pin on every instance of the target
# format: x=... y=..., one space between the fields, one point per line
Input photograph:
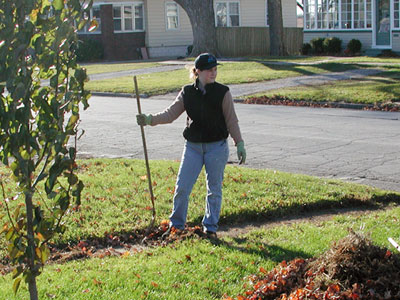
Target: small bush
x=90 y=50
x=317 y=45
x=306 y=49
x=189 y=50
x=332 y=45
x=354 y=46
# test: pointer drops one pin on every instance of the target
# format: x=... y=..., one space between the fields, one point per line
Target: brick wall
x=117 y=46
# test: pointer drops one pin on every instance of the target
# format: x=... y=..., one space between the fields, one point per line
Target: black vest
x=205 y=122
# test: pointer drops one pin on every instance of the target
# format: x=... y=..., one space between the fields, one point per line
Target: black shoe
x=211 y=235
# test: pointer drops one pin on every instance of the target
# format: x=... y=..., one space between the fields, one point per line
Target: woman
x=211 y=118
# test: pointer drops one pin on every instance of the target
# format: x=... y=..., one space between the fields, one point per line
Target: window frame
x=228 y=14
x=133 y=5
x=311 y=15
x=394 y=11
x=178 y=23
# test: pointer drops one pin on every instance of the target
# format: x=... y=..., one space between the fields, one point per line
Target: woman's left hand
x=241 y=152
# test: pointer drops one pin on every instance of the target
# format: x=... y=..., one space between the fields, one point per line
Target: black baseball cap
x=205 y=61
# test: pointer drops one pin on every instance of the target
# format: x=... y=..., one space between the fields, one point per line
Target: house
x=163 y=28
x=376 y=23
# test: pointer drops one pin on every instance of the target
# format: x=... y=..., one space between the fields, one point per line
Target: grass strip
x=228 y=73
x=116 y=67
x=199 y=269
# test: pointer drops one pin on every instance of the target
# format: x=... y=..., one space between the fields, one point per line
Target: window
x=227 y=14
x=128 y=17
x=94 y=15
x=309 y=11
x=333 y=14
x=346 y=14
x=396 y=13
x=171 y=9
x=266 y=13
x=338 y=14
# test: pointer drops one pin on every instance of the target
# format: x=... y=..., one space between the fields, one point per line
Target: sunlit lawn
x=228 y=73
x=380 y=88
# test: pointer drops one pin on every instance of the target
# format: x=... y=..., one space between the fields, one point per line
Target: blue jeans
x=214 y=157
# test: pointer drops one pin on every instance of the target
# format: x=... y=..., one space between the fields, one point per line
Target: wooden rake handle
x=145 y=155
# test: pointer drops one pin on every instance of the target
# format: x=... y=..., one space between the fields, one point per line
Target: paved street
x=358 y=146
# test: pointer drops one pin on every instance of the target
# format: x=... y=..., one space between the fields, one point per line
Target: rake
x=147 y=162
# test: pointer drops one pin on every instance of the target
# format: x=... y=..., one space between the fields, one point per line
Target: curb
x=322 y=104
x=315 y=103
x=124 y=95
x=303 y=103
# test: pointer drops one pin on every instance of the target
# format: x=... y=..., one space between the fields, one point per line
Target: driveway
x=357 y=146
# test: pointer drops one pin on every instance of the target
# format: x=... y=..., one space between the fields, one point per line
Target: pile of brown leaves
x=352 y=269
x=113 y=244
x=392 y=106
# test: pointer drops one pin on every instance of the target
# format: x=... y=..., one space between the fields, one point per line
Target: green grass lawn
x=200 y=269
x=381 y=88
x=116 y=199
x=228 y=73
x=115 y=67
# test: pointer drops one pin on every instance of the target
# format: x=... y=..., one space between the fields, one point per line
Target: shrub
x=306 y=49
x=354 y=46
x=189 y=50
x=317 y=45
x=89 y=50
x=332 y=45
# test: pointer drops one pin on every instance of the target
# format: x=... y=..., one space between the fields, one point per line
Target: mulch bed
x=352 y=269
x=393 y=106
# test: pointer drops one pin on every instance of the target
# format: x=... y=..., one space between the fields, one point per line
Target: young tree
x=38 y=41
x=275 y=21
x=202 y=19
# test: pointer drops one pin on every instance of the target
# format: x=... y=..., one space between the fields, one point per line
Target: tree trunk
x=31 y=246
x=275 y=22
x=202 y=19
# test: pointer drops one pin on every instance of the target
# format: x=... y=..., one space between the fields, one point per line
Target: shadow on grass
x=251 y=217
x=262 y=250
x=298 y=212
x=328 y=67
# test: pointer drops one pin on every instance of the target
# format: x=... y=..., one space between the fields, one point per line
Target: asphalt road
x=357 y=146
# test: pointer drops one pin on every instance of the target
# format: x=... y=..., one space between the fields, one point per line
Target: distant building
x=376 y=23
x=163 y=28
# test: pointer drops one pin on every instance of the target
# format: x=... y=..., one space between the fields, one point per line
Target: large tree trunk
x=202 y=19
x=275 y=22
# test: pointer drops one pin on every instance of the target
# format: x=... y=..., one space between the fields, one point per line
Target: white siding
x=253 y=13
x=364 y=37
x=156 y=30
x=396 y=41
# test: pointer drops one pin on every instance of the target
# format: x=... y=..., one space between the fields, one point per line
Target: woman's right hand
x=143 y=119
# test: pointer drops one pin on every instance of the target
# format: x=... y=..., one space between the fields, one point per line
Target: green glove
x=241 y=152
x=143 y=119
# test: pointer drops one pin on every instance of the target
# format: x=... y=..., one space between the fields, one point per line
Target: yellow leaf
x=38 y=253
x=16 y=284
